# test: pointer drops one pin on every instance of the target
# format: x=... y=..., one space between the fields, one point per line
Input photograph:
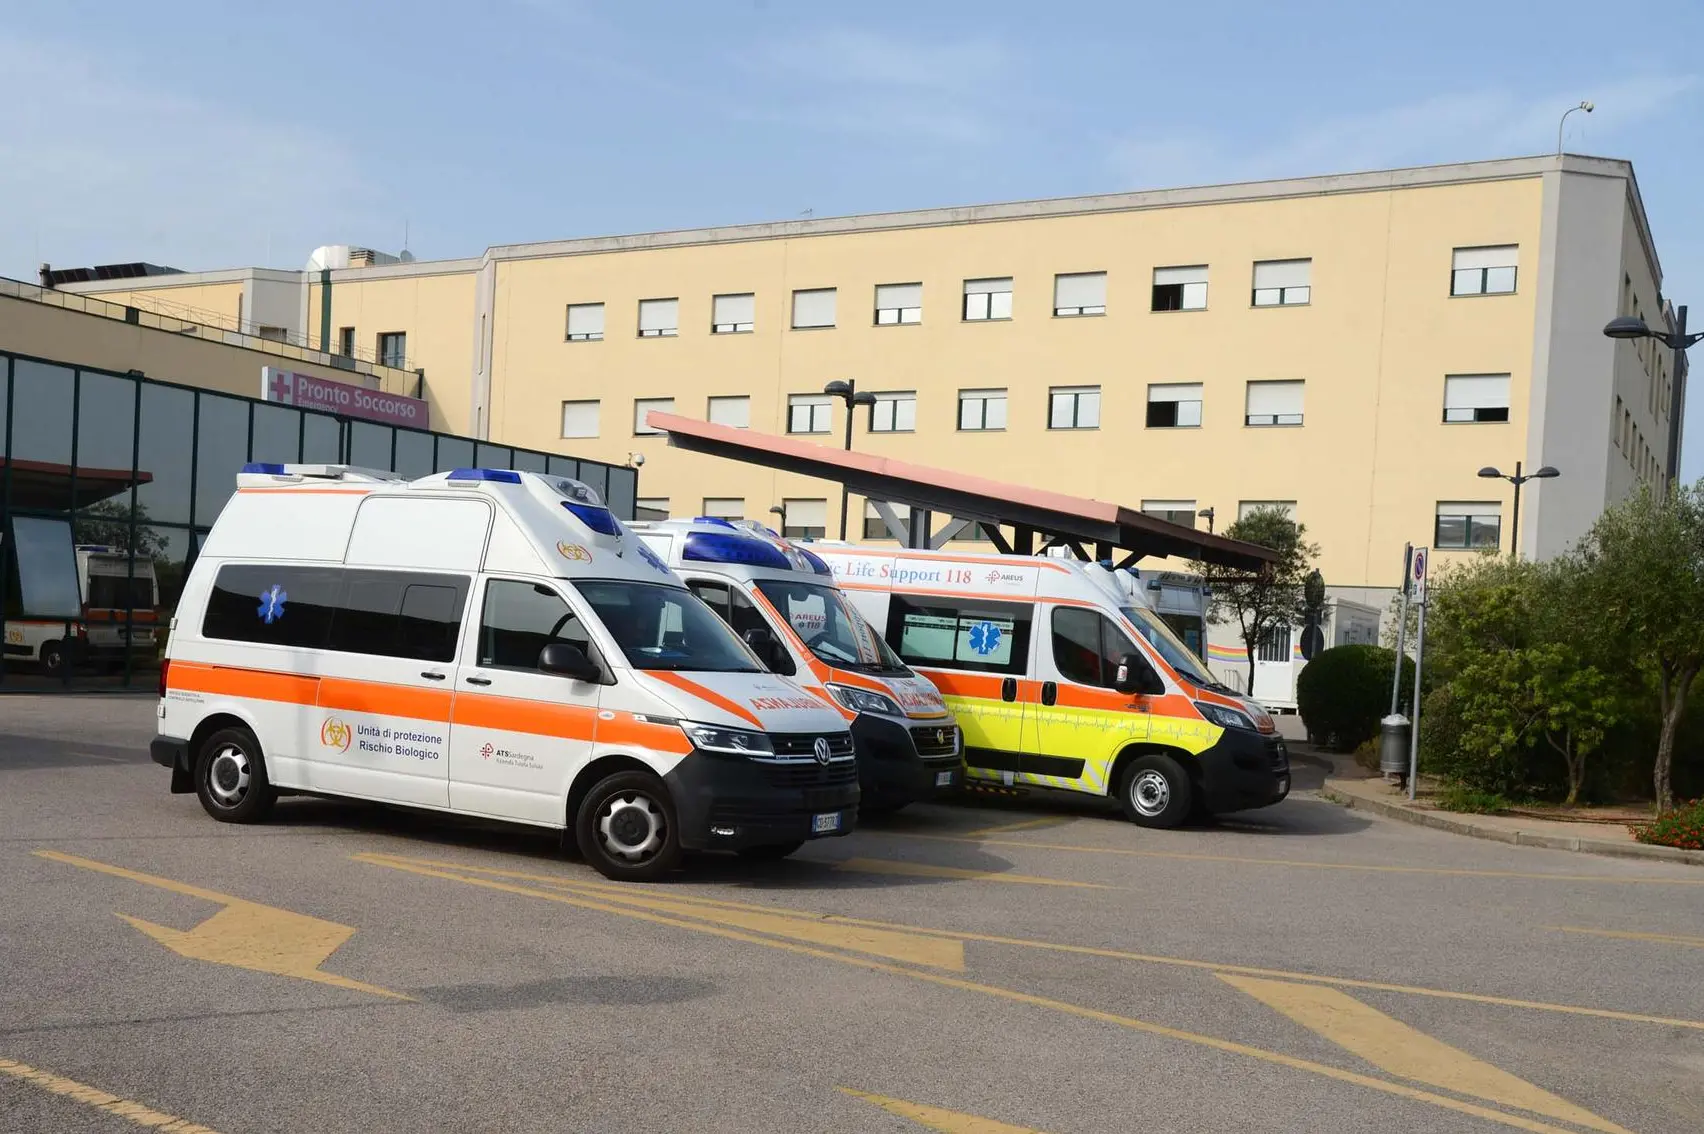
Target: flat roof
x=1076 y=519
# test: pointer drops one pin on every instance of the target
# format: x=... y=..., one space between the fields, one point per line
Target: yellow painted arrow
x=945 y=1121
x=246 y=935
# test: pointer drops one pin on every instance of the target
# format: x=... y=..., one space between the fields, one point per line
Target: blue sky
x=209 y=135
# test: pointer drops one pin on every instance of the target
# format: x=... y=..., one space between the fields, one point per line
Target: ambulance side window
x=1087 y=646
x=520 y=619
x=400 y=614
x=949 y=633
x=273 y=605
x=732 y=607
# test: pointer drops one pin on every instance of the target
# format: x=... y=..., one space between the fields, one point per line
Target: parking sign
x=1417 y=574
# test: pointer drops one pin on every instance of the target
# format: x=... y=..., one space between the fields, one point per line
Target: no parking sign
x=1417 y=574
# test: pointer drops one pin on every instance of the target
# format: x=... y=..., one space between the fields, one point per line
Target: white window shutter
x=1195 y=275
x=988 y=287
x=806 y=513
x=1502 y=256
x=1081 y=289
x=1278 y=398
x=734 y=411
x=585 y=319
x=725 y=507
x=814 y=308
x=1469 y=508
x=579 y=419
x=734 y=309
x=643 y=406
x=899 y=295
x=1283 y=273
x=1476 y=391
x=659 y=314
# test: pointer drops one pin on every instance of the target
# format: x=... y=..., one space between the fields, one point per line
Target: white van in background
x=781 y=599
x=491 y=643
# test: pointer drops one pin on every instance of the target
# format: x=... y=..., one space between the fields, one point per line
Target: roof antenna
x=405 y=255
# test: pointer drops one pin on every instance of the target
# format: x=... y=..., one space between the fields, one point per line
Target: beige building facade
x=1353 y=347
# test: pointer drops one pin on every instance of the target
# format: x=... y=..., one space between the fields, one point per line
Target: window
x=1174 y=405
x=1073 y=407
x=1171 y=511
x=1246 y=507
x=1180 y=289
x=1274 y=403
x=734 y=411
x=1615 y=423
x=899 y=303
x=651 y=508
x=585 y=322
x=273 y=605
x=659 y=318
x=346 y=341
x=813 y=308
x=399 y=614
x=663 y=627
x=972 y=532
x=987 y=299
x=580 y=419
x=1273 y=644
x=1469 y=525
x=1476 y=397
x=1282 y=283
x=810 y=413
x=1484 y=271
x=876 y=528
x=642 y=407
x=520 y=619
x=1079 y=293
x=973 y=634
x=733 y=314
x=1087 y=646
x=894 y=413
x=724 y=507
x=828 y=624
x=731 y=606
x=804 y=519
x=393 y=349
x=982 y=410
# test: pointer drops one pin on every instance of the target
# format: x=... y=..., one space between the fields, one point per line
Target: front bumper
x=1244 y=770
x=899 y=762
x=731 y=802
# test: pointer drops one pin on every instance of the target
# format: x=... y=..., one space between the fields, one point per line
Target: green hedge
x=1345 y=691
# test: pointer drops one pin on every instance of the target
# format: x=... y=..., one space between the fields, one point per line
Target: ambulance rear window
x=948 y=633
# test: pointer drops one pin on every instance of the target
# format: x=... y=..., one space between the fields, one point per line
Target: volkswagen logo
x=940 y=736
x=821 y=749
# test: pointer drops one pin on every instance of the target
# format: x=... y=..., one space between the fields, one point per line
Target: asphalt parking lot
x=354 y=968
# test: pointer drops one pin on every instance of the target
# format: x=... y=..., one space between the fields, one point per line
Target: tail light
x=165 y=665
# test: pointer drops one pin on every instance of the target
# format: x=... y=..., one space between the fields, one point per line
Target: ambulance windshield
x=1179 y=656
x=662 y=627
x=829 y=627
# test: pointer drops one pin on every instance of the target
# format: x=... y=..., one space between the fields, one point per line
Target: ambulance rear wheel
x=230 y=777
x=627 y=829
x=53 y=659
x=1155 y=792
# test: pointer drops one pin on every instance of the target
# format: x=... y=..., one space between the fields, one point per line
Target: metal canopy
x=1057 y=519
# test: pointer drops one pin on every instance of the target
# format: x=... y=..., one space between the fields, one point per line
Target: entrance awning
x=1074 y=521
x=47 y=487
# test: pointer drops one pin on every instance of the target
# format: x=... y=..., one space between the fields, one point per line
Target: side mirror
x=568 y=660
x=767 y=648
x=1136 y=676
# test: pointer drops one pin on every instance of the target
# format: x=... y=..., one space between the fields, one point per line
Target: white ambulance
x=781 y=599
x=1061 y=679
x=491 y=643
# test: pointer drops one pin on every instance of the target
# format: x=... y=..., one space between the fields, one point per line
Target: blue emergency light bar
x=714 y=547
x=264 y=467
x=717 y=520
x=496 y=476
x=818 y=564
x=599 y=519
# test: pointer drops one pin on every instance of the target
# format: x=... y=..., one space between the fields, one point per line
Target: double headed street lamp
x=1517 y=478
x=847 y=390
x=1677 y=340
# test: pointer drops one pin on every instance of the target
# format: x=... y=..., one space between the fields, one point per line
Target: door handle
x=479 y=681
x=1049 y=692
x=430 y=676
x=1009 y=689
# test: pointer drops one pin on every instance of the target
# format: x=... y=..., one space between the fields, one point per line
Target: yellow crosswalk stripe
x=933 y=1117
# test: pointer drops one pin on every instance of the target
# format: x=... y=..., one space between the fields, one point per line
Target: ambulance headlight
x=863 y=700
x=736 y=741
x=1224 y=716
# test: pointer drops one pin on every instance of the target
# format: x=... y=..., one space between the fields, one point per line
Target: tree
x=1642 y=568
x=1257 y=602
x=107 y=523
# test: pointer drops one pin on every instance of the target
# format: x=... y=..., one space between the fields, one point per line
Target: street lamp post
x=1207 y=514
x=1587 y=106
x=1517 y=479
x=847 y=391
x=1677 y=340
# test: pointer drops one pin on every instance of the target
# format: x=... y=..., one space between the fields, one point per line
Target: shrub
x=1345 y=691
x=1458 y=797
x=1683 y=827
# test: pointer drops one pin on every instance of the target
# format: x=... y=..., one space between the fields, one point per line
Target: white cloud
x=1447 y=127
x=100 y=167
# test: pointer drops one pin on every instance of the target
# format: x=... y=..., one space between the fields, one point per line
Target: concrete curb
x=1512 y=837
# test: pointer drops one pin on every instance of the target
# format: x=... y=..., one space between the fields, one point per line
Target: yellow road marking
x=925 y=870
x=1377 y=868
x=1629 y=935
x=614 y=891
x=1026 y=825
x=245 y=935
x=140 y=1114
x=1393 y=1046
x=1400 y=1090
x=945 y=1121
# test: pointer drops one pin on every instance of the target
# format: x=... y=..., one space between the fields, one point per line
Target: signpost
x=1401 y=629
x=308 y=392
x=1417 y=582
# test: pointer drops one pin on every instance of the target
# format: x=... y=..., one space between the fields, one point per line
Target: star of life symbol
x=272 y=602
x=984 y=638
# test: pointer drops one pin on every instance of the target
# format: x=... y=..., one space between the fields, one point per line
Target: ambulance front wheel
x=230 y=777
x=627 y=828
x=1155 y=792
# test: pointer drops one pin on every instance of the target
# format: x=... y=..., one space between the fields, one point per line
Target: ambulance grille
x=812 y=775
x=935 y=740
x=795 y=744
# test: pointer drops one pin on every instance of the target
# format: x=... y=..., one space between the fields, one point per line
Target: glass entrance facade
x=109 y=482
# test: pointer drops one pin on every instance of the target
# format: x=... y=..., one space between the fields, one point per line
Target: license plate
x=822 y=824
x=943 y=779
